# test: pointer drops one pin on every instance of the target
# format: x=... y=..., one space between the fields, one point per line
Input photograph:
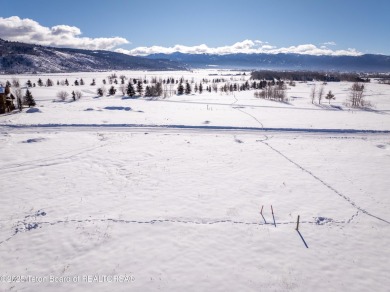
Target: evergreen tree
x=104 y=81
x=180 y=89
x=58 y=83
x=330 y=96
x=130 y=90
x=159 y=89
x=7 y=89
x=93 y=82
x=100 y=91
x=29 y=83
x=40 y=83
x=139 y=87
x=66 y=82
x=73 y=95
x=148 y=91
x=76 y=83
x=49 y=83
x=29 y=99
x=81 y=81
x=188 y=88
x=196 y=87
x=200 y=88
x=112 y=90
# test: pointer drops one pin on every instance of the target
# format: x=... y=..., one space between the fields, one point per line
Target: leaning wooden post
x=272 y=210
x=261 y=212
x=297 y=224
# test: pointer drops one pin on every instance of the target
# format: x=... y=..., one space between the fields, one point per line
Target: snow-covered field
x=113 y=194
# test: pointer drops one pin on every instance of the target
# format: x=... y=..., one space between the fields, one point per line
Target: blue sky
x=328 y=25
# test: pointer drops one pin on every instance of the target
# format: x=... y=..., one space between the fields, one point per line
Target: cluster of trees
x=308 y=76
x=357 y=95
x=320 y=94
x=273 y=92
x=154 y=90
x=181 y=89
x=49 y=82
x=272 y=85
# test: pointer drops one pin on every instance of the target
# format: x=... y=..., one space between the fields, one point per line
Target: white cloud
x=29 y=31
x=329 y=44
x=246 y=47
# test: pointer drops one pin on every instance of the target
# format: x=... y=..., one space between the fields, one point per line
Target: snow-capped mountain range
x=16 y=57
x=363 y=63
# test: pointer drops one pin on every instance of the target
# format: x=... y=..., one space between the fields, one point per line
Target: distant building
x=2 y=100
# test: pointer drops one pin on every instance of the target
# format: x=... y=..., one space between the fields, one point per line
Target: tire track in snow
x=192 y=128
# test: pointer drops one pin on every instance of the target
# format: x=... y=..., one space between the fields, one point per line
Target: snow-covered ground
x=166 y=194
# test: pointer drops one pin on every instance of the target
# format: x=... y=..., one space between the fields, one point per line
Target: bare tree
x=15 y=82
x=123 y=89
x=215 y=87
x=313 y=93
x=320 y=94
x=17 y=92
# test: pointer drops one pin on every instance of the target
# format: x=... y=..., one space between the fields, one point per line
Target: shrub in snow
x=62 y=95
x=78 y=94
